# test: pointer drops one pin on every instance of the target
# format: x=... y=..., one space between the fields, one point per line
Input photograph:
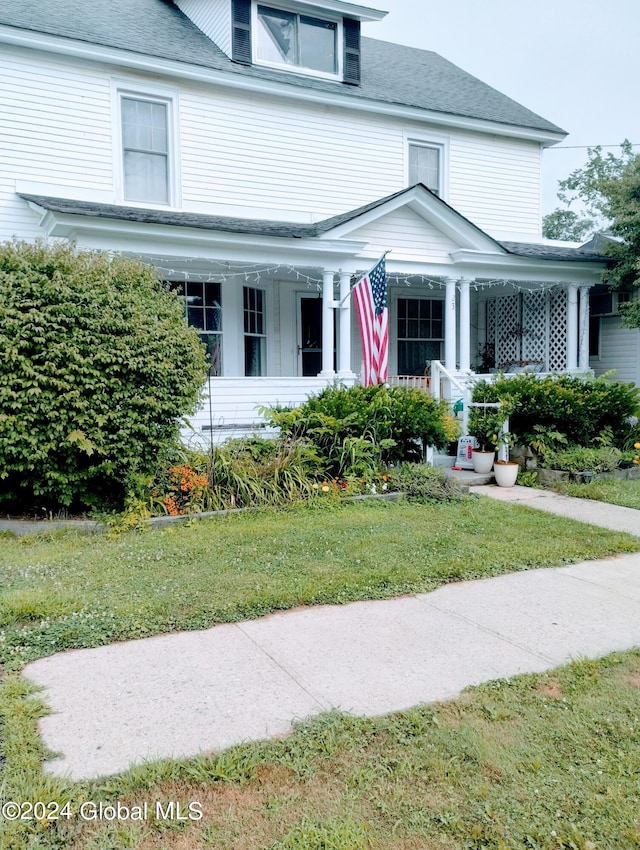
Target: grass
x=625 y=492
x=538 y=762
x=70 y=591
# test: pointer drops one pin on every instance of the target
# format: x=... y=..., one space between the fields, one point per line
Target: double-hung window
x=146 y=137
x=254 y=332
x=420 y=334
x=203 y=311
x=425 y=165
x=301 y=41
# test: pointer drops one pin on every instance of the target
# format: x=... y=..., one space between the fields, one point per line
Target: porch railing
x=412 y=382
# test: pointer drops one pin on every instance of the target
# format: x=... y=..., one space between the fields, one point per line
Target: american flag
x=370 y=294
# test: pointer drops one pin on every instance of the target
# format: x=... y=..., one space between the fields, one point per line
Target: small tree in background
x=98 y=365
x=608 y=187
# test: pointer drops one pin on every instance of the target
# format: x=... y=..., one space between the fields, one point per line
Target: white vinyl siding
x=411 y=237
x=495 y=182
x=240 y=155
x=321 y=162
x=43 y=143
x=619 y=350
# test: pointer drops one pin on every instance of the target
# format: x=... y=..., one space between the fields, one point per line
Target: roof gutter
x=196 y=73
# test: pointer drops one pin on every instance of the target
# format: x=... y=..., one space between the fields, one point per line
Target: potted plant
x=505 y=470
x=485 y=424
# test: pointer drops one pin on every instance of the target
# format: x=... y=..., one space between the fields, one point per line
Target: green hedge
x=581 y=410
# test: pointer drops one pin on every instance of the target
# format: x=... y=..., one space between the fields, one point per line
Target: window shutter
x=351 y=29
x=241 y=49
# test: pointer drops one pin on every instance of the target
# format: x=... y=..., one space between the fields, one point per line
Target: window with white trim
x=203 y=311
x=292 y=39
x=255 y=337
x=425 y=165
x=146 y=166
x=420 y=333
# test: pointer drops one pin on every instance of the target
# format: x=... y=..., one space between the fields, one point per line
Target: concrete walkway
x=603 y=514
x=183 y=694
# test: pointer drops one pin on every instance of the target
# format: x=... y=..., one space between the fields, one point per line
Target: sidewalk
x=614 y=517
x=182 y=694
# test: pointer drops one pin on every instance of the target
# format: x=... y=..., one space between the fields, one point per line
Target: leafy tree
x=98 y=367
x=567 y=225
x=609 y=188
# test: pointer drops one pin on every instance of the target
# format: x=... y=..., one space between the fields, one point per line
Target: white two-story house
x=262 y=157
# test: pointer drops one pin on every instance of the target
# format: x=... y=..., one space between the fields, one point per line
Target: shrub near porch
x=361 y=428
x=564 y=409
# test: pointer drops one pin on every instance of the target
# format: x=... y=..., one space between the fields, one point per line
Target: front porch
x=271 y=299
x=434 y=328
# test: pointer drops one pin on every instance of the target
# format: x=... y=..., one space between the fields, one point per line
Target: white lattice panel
x=507 y=329
x=557 y=330
x=491 y=320
x=534 y=325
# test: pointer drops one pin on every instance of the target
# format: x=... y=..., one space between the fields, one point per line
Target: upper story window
x=146 y=143
x=145 y=150
x=425 y=165
x=288 y=38
x=328 y=46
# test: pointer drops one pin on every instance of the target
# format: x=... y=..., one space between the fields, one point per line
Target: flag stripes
x=370 y=294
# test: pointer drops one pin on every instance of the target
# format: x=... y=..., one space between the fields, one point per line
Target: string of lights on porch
x=256 y=273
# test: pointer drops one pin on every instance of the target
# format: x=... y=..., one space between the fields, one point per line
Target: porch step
x=471 y=478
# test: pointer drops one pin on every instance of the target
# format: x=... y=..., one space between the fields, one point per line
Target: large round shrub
x=98 y=366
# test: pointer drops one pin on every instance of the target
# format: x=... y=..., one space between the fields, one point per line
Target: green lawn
x=71 y=591
x=617 y=492
x=544 y=762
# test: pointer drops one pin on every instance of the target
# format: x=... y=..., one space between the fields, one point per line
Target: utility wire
x=586 y=147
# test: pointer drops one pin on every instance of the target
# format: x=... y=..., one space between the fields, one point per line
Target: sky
x=575 y=62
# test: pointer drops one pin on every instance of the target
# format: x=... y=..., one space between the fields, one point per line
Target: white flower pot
x=506 y=473
x=482 y=461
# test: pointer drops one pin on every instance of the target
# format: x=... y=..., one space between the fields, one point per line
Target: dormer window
x=288 y=38
x=327 y=46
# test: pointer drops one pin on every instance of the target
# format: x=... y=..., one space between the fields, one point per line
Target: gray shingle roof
x=554 y=252
x=391 y=73
x=281 y=229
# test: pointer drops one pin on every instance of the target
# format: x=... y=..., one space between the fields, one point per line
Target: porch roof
x=542 y=251
x=292 y=230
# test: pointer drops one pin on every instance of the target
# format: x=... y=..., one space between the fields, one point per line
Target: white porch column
x=344 y=318
x=327 y=324
x=450 y=325
x=465 y=326
x=583 y=332
x=572 y=327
